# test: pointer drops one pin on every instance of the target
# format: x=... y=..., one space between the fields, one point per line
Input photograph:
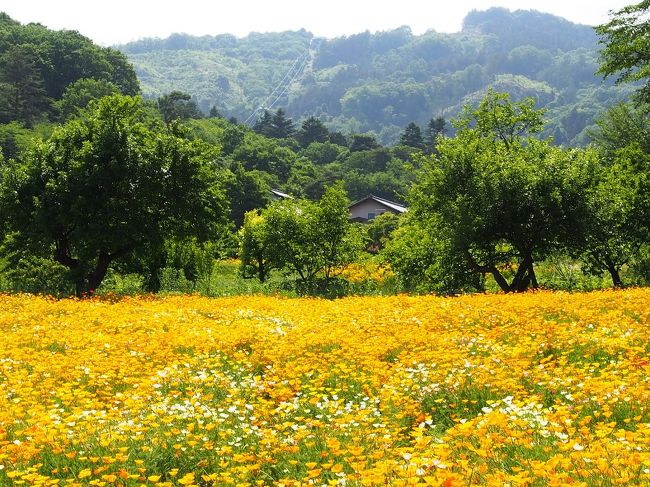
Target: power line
x=291 y=76
x=282 y=87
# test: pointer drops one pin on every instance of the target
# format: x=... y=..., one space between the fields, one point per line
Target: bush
x=37 y=275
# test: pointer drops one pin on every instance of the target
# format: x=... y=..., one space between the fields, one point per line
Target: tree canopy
x=498 y=195
x=106 y=185
x=626 y=48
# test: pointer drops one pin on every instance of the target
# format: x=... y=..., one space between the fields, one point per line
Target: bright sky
x=110 y=22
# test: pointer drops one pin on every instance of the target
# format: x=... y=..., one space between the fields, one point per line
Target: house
x=373 y=206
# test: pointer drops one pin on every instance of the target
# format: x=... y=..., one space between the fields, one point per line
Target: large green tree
x=79 y=93
x=105 y=187
x=501 y=197
x=619 y=196
x=312 y=130
x=617 y=223
x=282 y=126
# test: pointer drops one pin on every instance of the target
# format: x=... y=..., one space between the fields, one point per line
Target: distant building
x=279 y=195
x=371 y=207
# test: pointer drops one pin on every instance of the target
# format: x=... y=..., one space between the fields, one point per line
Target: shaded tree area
x=490 y=200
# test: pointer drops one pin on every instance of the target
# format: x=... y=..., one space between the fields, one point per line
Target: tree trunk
x=614 y=272
x=484 y=269
x=501 y=281
x=261 y=269
x=97 y=275
x=63 y=257
x=533 y=277
x=524 y=275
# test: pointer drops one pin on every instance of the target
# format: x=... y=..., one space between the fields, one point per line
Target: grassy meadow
x=534 y=389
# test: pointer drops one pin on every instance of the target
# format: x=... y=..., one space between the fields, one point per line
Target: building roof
x=390 y=204
x=281 y=195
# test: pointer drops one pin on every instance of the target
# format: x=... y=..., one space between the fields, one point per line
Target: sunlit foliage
x=531 y=389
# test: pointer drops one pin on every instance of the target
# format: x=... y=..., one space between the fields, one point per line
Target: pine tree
x=436 y=126
x=312 y=130
x=282 y=127
x=264 y=124
x=22 y=91
x=412 y=136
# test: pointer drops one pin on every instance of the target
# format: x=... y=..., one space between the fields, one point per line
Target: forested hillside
x=380 y=82
x=41 y=69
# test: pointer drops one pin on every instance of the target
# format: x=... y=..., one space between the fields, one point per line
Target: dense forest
x=98 y=181
x=382 y=81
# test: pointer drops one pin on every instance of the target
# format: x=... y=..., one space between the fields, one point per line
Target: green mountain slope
x=380 y=82
x=44 y=73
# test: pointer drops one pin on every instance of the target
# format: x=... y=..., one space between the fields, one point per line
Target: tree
x=70 y=56
x=361 y=142
x=121 y=72
x=282 y=127
x=264 y=154
x=22 y=91
x=256 y=258
x=337 y=242
x=379 y=230
x=619 y=193
x=78 y=94
x=312 y=130
x=323 y=153
x=435 y=127
x=314 y=240
x=15 y=140
x=424 y=261
x=264 y=124
x=246 y=190
x=338 y=138
x=616 y=227
x=178 y=106
x=232 y=137
x=621 y=126
x=412 y=136
x=106 y=186
x=499 y=195
x=626 y=47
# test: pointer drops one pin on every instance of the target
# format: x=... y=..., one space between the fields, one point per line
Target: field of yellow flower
x=533 y=389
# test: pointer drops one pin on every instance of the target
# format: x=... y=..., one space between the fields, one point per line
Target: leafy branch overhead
x=626 y=49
